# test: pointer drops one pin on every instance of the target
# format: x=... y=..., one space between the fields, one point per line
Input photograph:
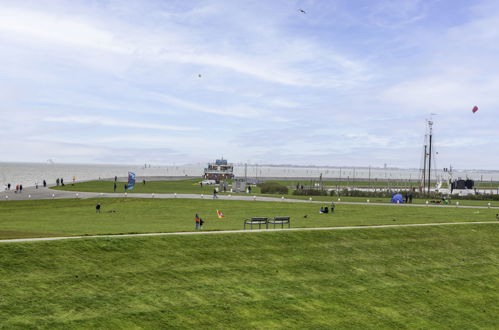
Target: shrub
x=310 y=192
x=273 y=188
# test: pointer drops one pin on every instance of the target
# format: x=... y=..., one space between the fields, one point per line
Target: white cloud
x=104 y=121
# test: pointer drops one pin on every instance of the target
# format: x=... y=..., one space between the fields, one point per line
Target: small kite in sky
x=199 y=75
x=475 y=109
x=303 y=11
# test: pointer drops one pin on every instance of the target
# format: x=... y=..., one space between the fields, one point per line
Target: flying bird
x=475 y=109
x=303 y=11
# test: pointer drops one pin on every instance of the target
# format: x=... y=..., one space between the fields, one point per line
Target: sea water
x=28 y=174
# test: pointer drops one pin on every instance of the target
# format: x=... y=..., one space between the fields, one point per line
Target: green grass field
x=426 y=278
x=40 y=218
x=191 y=186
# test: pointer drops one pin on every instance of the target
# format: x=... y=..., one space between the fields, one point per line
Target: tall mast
x=424 y=168
x=430 y=125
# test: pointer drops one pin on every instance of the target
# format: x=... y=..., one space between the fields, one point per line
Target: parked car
x=208 y=182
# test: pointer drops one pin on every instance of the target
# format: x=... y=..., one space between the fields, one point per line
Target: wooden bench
x=282 y=221
x=257 y=221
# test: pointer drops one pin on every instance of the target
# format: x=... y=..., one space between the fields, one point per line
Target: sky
x=347 y=83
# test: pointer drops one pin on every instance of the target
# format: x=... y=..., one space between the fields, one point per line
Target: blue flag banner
x=131 y=180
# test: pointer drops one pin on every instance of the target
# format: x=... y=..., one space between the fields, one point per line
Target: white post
x=152 y=195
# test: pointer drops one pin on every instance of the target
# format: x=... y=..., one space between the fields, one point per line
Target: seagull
x=303 y=11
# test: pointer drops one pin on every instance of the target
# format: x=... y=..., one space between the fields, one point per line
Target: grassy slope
x=439 y=277
x=192 y=186
x=77 y=217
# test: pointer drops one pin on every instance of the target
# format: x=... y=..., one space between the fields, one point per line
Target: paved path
x=18 y=240
x=46 y=193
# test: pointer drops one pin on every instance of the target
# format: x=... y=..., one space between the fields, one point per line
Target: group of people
x=325 y=209
x=408 y=197
x=199 y=222
x=19 y=187
x=59 y=182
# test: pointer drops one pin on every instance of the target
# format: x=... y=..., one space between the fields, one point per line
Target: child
x=201 y=221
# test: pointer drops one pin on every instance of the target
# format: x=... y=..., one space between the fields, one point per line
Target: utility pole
x=430 y=125
x=424 y=168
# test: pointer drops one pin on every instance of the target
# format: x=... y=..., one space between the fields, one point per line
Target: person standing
x=36 y=185
x=198 y=221
x=97 y=208
x=62 y=182
x=57 y=182
x=44 y=184
x=8 y=186
x=215 y=193
x=115 y=178
x=124 y=186
x=114 y=187
x=20 y=188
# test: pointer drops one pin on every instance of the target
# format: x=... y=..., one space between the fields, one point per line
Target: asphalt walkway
x=47 y=193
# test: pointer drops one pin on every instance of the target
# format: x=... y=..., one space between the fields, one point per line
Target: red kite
x=475 y=109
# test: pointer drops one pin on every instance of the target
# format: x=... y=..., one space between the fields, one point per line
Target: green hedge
x=273 y=188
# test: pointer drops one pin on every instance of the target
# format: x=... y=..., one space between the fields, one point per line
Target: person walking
x=44 y=184
x=124 y=186
x=97 y=208
x=114 y=187
x=62 y=182
x=20 y=188
x=57 y=182
x=215 y=193
x=8 y=186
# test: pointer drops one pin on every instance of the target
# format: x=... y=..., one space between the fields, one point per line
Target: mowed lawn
x=192 y=186
x=41 y=218
x=424 y=277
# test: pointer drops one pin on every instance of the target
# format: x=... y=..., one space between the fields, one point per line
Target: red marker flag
x=475 y=109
